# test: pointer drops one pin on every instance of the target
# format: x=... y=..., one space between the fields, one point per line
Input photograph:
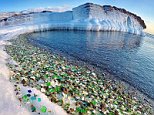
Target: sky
x=143 y=8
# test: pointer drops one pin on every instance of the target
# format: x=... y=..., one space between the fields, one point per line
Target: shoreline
x=9 y=90
x=101 y=72
x=106 y=75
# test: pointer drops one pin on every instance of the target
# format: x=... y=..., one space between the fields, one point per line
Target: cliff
x=88 y=16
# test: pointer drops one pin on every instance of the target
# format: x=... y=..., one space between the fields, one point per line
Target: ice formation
x=88 y=16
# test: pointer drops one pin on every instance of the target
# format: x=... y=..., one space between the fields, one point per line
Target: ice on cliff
x=85 y=17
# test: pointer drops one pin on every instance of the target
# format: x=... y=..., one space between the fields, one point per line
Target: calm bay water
x=129 y=57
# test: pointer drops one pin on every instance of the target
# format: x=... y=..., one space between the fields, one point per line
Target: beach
x=77 y=89
x=76 y=58
x=10 y=103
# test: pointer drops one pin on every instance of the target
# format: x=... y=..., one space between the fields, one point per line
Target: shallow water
x=129 y=57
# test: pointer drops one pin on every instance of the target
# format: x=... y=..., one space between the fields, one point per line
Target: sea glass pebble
x=39 y=99
x=29 y=91
x=43 y=109
x=33 y=98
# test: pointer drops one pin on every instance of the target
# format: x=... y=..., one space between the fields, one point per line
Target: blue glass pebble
x=33 y=98
x=29 y=91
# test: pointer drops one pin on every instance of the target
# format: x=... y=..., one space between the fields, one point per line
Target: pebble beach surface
x=77 y=89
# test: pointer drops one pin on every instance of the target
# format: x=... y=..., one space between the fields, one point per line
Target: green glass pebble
x=39 y=99
x=111 y=113
x=94 y=102
x=74 y=69
x=103 y=92
x=65 y=74
x=25 y=98
x=48 y=83
x=57 y=88
x=56 y=77
x=59 y=77
x=46 y=76
x=115 y=102
x=51 y=90
x=129 y=110
x=67 y=67
x=43 y=109
x=81 y=110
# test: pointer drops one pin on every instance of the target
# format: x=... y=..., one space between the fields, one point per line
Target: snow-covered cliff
x=88 y=16
x=108 y=18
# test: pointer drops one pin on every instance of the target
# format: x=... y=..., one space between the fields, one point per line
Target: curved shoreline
x=105 y=73
x=14 y=31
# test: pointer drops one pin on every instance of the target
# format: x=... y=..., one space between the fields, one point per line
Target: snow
x=84 y=17
x=54 y=108
x=9 y=104
x=100 y=18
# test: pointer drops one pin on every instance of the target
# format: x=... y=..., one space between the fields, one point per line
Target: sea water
x=127 y=56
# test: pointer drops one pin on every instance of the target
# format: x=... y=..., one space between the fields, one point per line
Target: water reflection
x=113 y=40
x=127 y=56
